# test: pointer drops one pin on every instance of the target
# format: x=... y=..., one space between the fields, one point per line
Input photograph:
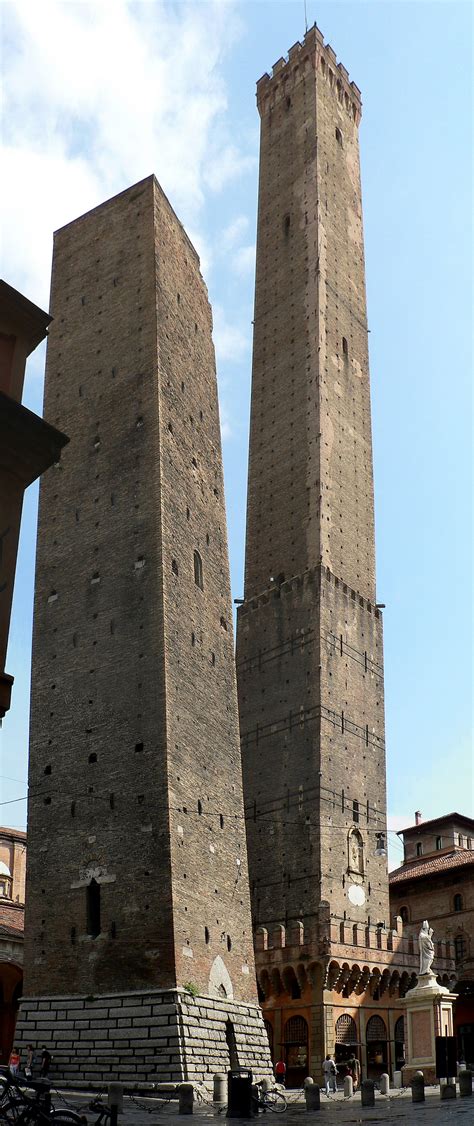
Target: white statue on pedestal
x=427 y=950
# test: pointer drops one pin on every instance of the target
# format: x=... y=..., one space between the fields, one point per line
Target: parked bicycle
x=264 y=1099
x=103 y=1112
x=27 y=1102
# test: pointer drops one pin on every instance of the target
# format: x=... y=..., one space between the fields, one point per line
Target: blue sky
x=98 y=96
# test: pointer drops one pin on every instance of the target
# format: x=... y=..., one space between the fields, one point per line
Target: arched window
x=356 y=852
x=93 y=908
x=460 y=948
x=399 y=1031
x=269 y=1032
x=458 y=902
x=404 y=915
x=296 y=1031
x=198 y=579
x=295 y=1039
x=376 y=1029
x=346 y=1030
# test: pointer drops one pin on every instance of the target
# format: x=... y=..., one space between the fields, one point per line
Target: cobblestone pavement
x=397 y=1108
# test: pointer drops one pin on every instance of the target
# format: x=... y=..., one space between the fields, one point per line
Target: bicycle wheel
x=275 y=1101
x=66 y=1118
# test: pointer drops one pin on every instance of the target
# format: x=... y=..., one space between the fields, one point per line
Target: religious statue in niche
x=426 y=945
x=356 y=852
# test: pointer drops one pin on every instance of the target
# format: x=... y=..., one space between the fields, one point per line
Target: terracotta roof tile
x=12 y=917
x=431 y=865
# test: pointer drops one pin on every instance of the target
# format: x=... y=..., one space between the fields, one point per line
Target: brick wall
x=310 y=650
x=135 y=775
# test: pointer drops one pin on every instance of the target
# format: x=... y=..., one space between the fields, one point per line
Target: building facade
x=436 y=882
x=331 y=967
x=12 y=909
x=138 y=955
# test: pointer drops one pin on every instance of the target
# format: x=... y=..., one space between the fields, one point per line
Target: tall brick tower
x=139 y=957
x=309 y=638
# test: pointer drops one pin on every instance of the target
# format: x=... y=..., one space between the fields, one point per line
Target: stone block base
x=143 y=1038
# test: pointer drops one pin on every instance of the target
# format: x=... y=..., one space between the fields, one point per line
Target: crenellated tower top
x=313 y=53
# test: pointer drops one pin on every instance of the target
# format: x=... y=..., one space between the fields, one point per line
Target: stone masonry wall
x=142 y=1037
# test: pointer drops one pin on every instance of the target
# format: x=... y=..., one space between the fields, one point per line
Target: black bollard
x=465 y=1083
x=186 y=1098
x=367 y=1092
x=312 y=1096
x=418 y=1088
x=447 y=1091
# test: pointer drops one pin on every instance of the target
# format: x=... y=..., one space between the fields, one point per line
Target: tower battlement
x=314 y=53
x=313 y=576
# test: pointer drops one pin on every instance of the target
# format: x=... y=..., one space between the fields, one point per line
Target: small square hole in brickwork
x=139 y=746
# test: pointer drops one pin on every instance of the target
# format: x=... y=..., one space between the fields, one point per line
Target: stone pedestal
x=428 y=1013
x=139 y=1038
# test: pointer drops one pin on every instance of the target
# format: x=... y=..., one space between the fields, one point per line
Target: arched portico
x=11 y=985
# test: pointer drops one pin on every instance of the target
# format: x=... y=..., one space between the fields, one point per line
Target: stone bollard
x=219 y=1093
x=384 y=1084
x=418 y=1087
x=367 y=1092
x=348 y=1087
x=397 y=1080
x=465 y=1083
x=115 y=1101
x=447 y=1090
x=312 y=1095
x=186 y=1098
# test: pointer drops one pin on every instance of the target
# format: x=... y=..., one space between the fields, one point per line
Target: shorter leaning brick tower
x=139 y=958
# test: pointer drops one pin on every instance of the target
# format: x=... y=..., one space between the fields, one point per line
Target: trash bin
x=239 y=1093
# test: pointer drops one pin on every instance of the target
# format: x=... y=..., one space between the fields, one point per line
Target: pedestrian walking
x=29 y=1061
x=45 y=1062
x=353 y=1066
x=280 y=1072
x=14 y=1061
x=330 y=1073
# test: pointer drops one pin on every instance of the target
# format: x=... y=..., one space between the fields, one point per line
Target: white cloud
x=232 y=234
x=226 y=428
x=244 y=260
x=230 y=341
x=227 y=164
x=99 y=95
